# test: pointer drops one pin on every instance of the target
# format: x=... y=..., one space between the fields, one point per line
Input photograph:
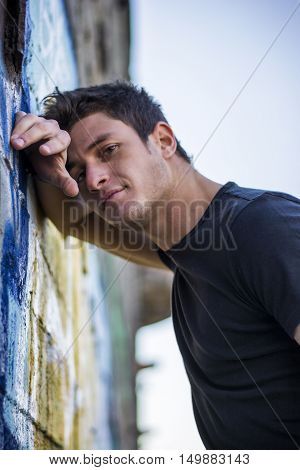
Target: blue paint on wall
x=14 y=257
x=48 y=60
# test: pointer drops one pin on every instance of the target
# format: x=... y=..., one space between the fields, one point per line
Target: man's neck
x=174 y=217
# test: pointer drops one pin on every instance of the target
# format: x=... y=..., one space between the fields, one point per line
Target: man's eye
x=80 y=177
x=110 y=149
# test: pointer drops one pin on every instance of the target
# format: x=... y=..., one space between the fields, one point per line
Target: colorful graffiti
x=55 y=340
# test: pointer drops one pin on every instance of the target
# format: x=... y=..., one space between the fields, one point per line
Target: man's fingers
x=19 y=116
x=56 y=145
x=70 y=187
x=67 y=184
x=31 y=129
x=24 y=123
x=40 y=130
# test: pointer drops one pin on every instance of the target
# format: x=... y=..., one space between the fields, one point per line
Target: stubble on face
x=141 y=212
x=138 y=165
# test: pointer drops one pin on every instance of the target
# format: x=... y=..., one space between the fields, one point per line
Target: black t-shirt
x=235 y=306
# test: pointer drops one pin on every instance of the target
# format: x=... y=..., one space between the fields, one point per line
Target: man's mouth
x=109 y=195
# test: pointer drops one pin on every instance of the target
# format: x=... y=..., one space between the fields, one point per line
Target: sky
x=227 y=73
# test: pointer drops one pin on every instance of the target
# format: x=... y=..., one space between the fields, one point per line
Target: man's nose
x=96 y=178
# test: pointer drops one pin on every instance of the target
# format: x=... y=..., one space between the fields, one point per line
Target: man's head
x=119 y=100
x=120 y=139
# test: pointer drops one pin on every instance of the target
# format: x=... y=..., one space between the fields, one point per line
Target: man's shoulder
x=265 y=221
x=252 y=208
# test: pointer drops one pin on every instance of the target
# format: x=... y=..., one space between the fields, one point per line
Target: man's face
x=116 y=172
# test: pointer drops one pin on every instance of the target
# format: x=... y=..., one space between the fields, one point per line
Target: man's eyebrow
x=98 y=140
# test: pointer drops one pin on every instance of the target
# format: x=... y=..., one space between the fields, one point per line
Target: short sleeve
x=267 y=236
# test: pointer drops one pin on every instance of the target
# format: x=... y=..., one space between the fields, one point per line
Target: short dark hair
x=119 y=100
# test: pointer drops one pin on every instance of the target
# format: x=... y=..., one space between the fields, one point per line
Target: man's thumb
x=68 y=185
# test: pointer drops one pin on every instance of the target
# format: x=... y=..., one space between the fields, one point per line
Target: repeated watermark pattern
x=210 y=242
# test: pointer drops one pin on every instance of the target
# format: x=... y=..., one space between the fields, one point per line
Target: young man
x=235 y=252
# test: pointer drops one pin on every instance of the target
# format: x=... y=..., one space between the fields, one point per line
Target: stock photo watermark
x=128 y=225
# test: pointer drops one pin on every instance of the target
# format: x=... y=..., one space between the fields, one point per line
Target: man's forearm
x=72 y=217
x=63 y=211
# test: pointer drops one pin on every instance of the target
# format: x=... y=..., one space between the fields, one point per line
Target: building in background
x=68 y=311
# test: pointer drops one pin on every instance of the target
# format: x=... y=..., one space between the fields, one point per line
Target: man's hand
x=46 y=148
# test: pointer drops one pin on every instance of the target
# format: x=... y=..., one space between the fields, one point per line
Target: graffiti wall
x=55 y=335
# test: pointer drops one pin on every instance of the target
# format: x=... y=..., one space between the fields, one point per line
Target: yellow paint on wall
x=63 y=391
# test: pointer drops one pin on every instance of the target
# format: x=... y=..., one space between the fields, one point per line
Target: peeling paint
x=55 y=344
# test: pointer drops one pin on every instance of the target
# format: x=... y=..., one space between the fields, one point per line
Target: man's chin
x=125 y=214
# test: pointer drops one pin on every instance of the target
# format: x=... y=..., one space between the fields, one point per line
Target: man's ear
x=164 y=137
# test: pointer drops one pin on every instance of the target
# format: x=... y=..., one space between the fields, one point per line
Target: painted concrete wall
x=56 y=363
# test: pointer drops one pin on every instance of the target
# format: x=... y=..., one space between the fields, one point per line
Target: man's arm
x=71 y=217
x=45 y=145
